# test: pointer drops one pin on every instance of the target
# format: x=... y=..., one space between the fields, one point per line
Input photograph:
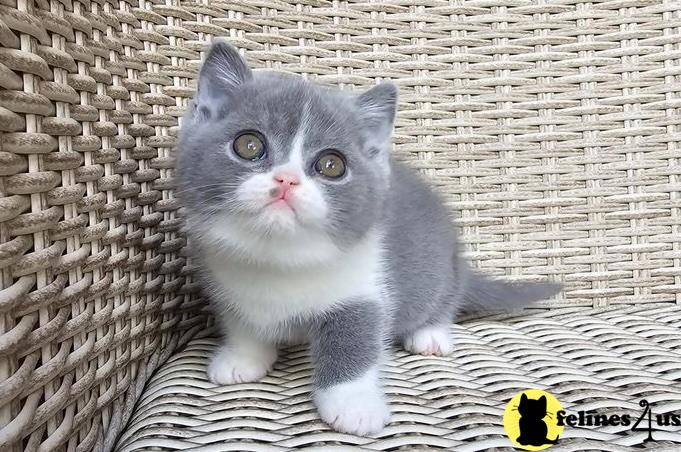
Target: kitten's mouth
x=280 y=203
x=280 y=206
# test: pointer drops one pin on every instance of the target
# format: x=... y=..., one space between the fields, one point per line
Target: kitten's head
x=282 y=157
x=533 y=408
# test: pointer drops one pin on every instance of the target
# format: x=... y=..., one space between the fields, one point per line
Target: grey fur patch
x=346 y=342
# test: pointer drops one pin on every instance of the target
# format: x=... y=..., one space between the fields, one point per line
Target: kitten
x=306 y=229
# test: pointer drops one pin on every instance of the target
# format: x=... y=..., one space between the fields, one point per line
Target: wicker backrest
x=551 y=127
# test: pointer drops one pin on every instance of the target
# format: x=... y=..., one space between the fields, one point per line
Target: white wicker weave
x=606 y=362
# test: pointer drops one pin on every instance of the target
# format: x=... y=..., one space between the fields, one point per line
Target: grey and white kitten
x=306 y=229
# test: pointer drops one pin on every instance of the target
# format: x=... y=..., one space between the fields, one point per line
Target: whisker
x=193 y=189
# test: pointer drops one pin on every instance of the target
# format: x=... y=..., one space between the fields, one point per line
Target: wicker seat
x=605 y=362
x=551 y=128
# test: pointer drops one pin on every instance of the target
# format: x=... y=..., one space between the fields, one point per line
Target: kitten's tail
x=493 y=295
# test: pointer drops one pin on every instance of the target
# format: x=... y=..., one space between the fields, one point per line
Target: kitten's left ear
x=377 y=108
x=222 y=71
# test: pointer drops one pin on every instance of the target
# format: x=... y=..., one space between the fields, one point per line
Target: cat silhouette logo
x=530 y=420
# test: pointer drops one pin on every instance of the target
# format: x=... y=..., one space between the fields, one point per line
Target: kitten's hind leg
x=429 y=340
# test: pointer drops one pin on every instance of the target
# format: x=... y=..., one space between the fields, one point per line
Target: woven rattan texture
x=606 y=362
x=551 y=126
x=93 y=287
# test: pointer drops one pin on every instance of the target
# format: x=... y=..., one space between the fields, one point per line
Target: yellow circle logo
x=530 y=420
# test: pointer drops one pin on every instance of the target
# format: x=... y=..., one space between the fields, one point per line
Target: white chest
x=268 y=297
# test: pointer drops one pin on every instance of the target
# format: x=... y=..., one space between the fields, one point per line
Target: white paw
x=357 y=407
x=429 y=340
x=229 y=367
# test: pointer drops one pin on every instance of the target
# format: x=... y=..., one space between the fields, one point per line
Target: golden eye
x=249 y=146
x=331 y=165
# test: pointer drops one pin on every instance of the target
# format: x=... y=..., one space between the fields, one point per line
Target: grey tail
x=483 y=294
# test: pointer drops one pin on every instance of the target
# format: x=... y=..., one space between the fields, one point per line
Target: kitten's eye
x=249 y=146
x=331 y=164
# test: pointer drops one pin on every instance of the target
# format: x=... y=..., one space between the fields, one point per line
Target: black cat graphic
x=533 y=429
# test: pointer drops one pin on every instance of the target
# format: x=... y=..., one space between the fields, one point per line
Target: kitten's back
x=421 y=245
x=429 y=280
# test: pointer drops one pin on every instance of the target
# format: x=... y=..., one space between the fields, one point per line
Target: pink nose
x=285 y=182
x=286 y=179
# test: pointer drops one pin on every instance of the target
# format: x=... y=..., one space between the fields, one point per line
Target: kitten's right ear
x=222 y=71
x=377 y=107
x=523 y=398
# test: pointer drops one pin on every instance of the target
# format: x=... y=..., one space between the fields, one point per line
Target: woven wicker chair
x=551 y=126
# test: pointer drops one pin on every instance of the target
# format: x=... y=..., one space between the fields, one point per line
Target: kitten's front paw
x=229 y=367
x=429 y=340
x=357 y=407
